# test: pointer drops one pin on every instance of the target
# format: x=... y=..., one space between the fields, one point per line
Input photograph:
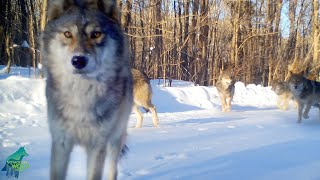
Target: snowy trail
x=242 y=147
x=216 y=145
x=195 y=139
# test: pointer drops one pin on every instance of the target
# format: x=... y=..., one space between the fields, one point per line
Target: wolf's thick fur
x=89 y=84
x=306 y=93
x=284 y=94
x=142 y=94
x=225 y=87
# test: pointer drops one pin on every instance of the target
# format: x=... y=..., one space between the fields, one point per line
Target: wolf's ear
x=108 y=7
x=56 y=7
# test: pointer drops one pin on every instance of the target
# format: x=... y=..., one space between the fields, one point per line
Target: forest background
x=191 y=40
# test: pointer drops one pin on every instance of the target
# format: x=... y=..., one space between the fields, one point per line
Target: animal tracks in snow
x=203 y=129
x=159 y=161
x=170 y=156
x=12 y=128
x=231 y=127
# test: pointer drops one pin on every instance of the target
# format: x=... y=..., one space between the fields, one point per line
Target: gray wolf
x=13 y=163
x=89 y=84
x=306 y=93
x=226 y=88
x=284 y=94
x=142 y=94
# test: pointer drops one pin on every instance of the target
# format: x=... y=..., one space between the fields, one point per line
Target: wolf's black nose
x=79 y=62
x=295 y=86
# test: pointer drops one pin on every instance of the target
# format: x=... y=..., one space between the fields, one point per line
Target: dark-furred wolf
x=306 y=92
x=142 y=94
x=89 y=84
x=225 y=87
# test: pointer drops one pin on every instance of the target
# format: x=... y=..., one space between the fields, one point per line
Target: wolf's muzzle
x=79 y=62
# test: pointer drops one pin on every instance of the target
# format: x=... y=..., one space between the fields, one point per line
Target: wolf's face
x=84 y=43
x=296 y=83
x=227 y=79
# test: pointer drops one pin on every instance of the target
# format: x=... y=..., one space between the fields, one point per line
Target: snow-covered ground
x=195 y=139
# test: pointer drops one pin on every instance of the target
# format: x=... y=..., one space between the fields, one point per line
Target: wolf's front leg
x=286 y=99
x=95 y=161
x=228 y=99
x=223 y=103
x=300 y=108
x=279 y=103
x=114 y=150
x=60 y=155
x=306 y=111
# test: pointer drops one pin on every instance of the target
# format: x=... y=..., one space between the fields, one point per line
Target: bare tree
x=316 y=37
x=193 y=40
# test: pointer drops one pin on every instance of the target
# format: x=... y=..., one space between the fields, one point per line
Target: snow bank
x=19 y=94
x=22 y=95
x=191 y=97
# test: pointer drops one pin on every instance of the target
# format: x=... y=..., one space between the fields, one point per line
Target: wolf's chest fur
x=226 y=89
x=85 y=100
x=86 y=107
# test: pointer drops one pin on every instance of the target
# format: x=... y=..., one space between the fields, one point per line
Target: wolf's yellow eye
x=68 y=34
x=96 y=34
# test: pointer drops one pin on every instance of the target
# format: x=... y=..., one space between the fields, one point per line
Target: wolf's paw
x=305 y=116
x=299 y=119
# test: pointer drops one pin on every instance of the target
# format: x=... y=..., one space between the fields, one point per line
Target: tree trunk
x=277 y=45
x=32 y=45
x=8 y=54
x=204 y=31
x=292 y=31
x=24 y=36
x=43 y=22
x=316 y=40
x=235 y=33
x=43 y=14
x=184 y=50
x=7 y=36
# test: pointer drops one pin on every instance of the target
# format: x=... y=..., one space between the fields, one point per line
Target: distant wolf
x=306 y=93
x=225 y=87
x=142 y=95
x=284 y=94
x=89 y=86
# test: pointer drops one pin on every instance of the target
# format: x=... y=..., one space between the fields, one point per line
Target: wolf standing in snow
x=306 y=93
x=142 y=94
x=89 y=84
x=225 y=87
